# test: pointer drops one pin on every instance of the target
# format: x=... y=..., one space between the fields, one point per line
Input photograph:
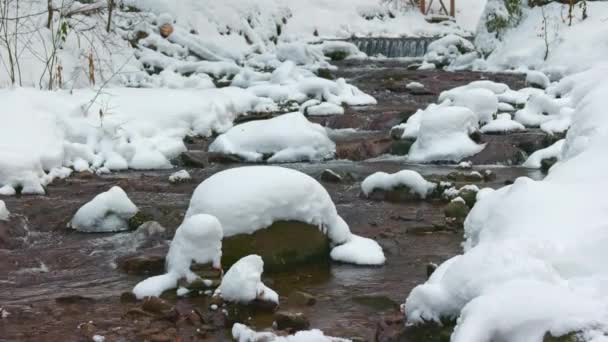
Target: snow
x=444 y=135
x=197 y=239
x=536 y=245
x=179 y=176
x=98 y=338
x=288 y=137
x=359 y=250
x=411 y=179
x=553 y=151
x=107 y=212
x=537 y=79
x=502 y=124
x=480 y=101
x=242 y=283
x=414 y=85
x=4 y=213
x=242 y=333
x=278 y=194
x=325 y=108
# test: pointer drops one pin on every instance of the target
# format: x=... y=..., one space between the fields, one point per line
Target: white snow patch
x=502 y=124
x=288 y=137
x=242 y=333
x=4 y=213
x=553 y=151
x=243 y=282
x=179 y=176
x=411 y=179
x=359 y=250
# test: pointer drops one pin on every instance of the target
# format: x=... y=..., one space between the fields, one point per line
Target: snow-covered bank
x=535 y=249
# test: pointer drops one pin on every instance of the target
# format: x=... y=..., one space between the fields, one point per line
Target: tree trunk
x=50 y=17
x=110 y=8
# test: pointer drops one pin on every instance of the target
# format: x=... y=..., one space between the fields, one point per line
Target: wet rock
x=401 y=147
x=488 y=176
x=156 y=305
x=291 y=321
x=165 y=30
x=128 y=297
x=282 y=245
x=301 y=298
x=455 y=213
x=430 y=269
x=394 y=329
x=87 y=329
x=330 y=176
x=363 y=149
x=159 y=338
x=473 y=176
x=469 y=197
x=400 y=193
x=325 y=73
x=397 y=132
x=138 y=219
x=12 y=233
x=376 y=302
x=202 y=159
x=144 y=265
x=547 y=163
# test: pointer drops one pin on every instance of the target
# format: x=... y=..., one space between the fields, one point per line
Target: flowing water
x=54 y=280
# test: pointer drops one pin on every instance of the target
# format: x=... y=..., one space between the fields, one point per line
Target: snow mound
x=198 y=239
x=325 y=108
x=288 y=137
x=537 y=79
x=450 y=49
x=537 y=245
x=242 y=333
x=481 y=101
x=107 y=212
x=414 y=86
x=4 y=213
x=359 y=250
x=244 y=206
x=411 y=179
x=243 y=284
x=444 y=135
x=502 y=124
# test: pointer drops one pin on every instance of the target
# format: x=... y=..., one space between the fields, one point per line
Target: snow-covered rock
x=4 y=213
x=553 y=151
x=288 y=137
x=325 y=108
x=107 y=212
x=444 y=135
x=243 y=282
x=534 y=249
x=481 y=101
x=197 y=239
x=414 y=86
x=408 y=178
x=502 y=124
x=247 y=199
x=179 y=176
x=359 y=250
x=537 y=79
x=242 y=333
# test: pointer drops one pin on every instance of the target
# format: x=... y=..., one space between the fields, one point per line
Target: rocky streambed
x=61 y=285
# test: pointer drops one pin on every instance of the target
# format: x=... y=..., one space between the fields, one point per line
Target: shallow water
x=48 y=261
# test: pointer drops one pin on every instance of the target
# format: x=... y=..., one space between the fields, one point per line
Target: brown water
x=43 y=262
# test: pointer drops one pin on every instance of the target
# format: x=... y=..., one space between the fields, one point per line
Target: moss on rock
x=281 y=245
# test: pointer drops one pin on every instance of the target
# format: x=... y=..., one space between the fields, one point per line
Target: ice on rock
x=278 y=194
x=502 y=124
x=243 y=282
x=411 y=179
x=288 y=137
x=444 y=135
x=4 y=213
x=107 y=212
x=197 y=239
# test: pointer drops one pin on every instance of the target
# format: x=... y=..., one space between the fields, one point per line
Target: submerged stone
x=291 y=321
x=376 y=302
x=282 y=245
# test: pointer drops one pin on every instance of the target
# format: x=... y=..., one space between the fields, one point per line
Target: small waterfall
x=393 y=47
